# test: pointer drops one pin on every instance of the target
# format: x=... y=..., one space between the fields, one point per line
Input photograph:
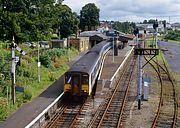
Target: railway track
x=67 y=114
x=110 y=112
x=75 y=115
x=167 y=111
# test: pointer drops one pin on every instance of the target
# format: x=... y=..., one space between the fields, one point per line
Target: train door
x=76 y=84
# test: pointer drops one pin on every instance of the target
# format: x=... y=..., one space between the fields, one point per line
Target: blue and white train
x=81 y=77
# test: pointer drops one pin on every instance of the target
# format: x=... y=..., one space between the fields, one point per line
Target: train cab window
x=85 y=79
x=76 y=80
x=68 y=79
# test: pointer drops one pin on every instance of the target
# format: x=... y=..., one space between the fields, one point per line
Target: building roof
x=88 y=33
x=92 y=33
x=176 y=25
x=125 y=38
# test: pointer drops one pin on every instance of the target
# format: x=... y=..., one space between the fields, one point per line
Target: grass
x=150 y=41
x=173 y=41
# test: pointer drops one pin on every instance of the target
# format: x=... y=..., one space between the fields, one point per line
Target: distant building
x=104 y=26
x=44 y=44
x=55 y=43
x=175 y=26
x=149 y=28
x=95 y=37
x=80 y=43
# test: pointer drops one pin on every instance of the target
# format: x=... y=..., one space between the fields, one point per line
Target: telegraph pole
x=13 y=78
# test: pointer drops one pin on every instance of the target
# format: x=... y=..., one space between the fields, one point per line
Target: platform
x=110 y=67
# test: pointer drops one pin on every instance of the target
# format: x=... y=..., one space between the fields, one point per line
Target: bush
x=3 y=112
x=52 y=76
x=27 y=95
x=173 y=35
x=45 y=60
x=3 y=109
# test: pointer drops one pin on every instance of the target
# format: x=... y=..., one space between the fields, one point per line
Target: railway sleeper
x=114 y=108
x=116 y=100
x=115 y=105
x=164 y=124
x=109 y=124
x=113 y=112
x=112 y=116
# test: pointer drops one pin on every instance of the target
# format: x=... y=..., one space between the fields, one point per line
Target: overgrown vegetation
x=52 y=67
x=173 y=35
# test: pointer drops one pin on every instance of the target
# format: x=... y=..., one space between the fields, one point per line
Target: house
x=175 y=26
x=149 y=28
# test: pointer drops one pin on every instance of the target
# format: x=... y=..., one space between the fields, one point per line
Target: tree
x=65 y=21
x=34 y=20
x=151 y=21
x=125 y=27
x=89 y=16
x=145 y=22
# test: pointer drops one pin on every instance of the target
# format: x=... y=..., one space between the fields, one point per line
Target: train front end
x=76 y=84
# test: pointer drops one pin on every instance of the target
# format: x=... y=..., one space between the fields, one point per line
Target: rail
x=157 y=120
x=115 y=100
x=67 y=115
x=38 y=118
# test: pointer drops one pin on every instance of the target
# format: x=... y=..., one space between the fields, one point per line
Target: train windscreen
x=85 y=79
x=68 y=79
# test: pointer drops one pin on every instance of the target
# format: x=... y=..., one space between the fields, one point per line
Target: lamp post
x=68 y=46
x=113 y=48
x=13 y=66
x=39 y=65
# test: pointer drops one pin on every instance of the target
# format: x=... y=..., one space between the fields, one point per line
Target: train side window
x=85 y=79
x=68 y=79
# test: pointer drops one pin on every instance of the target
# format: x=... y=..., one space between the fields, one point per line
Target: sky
x=132 y=10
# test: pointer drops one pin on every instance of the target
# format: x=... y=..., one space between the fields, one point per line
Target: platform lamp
x=113 y=47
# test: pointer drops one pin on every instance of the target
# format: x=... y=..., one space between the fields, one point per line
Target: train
x=80 y=79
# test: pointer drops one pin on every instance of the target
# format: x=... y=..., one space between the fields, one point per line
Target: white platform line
x=122 y=64
x=44 y=111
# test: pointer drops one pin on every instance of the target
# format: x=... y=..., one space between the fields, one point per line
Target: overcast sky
x=132 y=10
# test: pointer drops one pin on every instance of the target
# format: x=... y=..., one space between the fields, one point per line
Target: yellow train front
x=76 y=84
